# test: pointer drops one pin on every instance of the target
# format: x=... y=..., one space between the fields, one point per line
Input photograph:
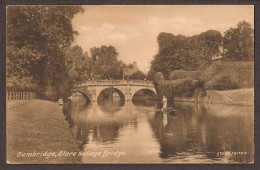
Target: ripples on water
x=196 y=133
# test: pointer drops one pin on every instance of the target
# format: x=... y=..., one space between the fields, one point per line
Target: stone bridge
x=125 y=88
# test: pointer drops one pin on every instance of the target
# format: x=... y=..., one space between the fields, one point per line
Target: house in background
x=219 y=54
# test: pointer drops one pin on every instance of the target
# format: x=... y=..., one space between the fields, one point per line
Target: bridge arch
x=119 y=92
x=152 y=91
x=87 y=97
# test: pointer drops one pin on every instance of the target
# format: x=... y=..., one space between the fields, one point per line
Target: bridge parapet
x=114 y=82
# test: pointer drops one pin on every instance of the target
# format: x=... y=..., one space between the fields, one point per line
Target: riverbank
x=14 y=103
x=234 y=97
x=39 y=127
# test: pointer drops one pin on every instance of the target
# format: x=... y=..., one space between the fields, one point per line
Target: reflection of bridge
x=125 y=88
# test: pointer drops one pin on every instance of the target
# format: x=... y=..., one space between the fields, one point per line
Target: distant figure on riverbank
x=164 y=100
x=60 y=101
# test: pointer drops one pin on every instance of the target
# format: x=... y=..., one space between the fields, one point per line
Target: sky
x=133 y=30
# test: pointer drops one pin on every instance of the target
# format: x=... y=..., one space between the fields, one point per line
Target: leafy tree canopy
x=189 y=53
x=138 y=75
x=239 y=43
x=37 y=37
x=105 y=63
x=78 y=64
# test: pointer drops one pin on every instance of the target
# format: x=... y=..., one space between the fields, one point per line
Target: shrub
x=181 y=74
x=181 y=87
x=225 y=82
x=226 y=75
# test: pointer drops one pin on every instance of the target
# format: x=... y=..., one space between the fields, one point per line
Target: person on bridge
x=164 y=100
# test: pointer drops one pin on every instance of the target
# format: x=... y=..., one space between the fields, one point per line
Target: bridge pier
x=93 y=98
x=128 y=96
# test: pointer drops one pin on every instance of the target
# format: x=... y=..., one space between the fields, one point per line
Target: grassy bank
x=39 y=126
x=236 y=97
x=233 y=97
x=221 y=75
x=228 y=75
x=227 y=82
x=14 y=103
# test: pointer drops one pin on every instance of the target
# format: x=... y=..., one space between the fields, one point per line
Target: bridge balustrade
x=113 y=82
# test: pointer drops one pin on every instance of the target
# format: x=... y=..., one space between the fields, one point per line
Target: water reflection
x=196 y=133
x=145 y=102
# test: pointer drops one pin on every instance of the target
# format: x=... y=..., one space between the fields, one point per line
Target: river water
x=116 y=132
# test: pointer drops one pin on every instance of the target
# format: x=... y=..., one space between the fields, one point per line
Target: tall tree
x=151 y=75
x=37 y=37
x=77 y=63
x=164 y=40
x=188 y=53
x=105 y=63
x=239 y=43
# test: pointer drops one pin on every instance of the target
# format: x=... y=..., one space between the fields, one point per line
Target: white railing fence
x=11 y=95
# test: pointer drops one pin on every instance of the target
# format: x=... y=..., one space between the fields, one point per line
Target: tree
x=239 y=43
x=158 y=77
x=150 y=75
x=88 y=66
x=164 y=40
x=105 y=63
x=138 y=75
x=78 y=64
x=187 y=53
x=37 y=37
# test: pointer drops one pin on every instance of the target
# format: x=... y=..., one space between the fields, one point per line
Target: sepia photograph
x=130 y=84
